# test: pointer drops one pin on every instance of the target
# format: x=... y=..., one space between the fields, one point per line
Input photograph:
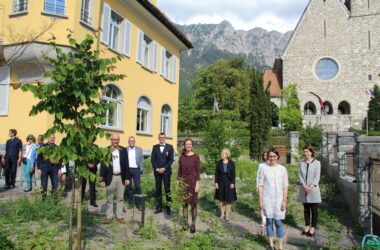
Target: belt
x=117 y=174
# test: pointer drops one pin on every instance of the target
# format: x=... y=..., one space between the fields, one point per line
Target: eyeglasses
x=30 y=138
x=272 y=156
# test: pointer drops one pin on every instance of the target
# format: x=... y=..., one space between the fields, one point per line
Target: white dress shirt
x=116 y=161
x=132 y=157
x=162 y=146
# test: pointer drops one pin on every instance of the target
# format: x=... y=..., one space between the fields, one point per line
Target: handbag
x=24 y=160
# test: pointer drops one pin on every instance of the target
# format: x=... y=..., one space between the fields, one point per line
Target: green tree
x=374 y=110
x=311 y=135
x=260 y=116
x=290 y=115
x=73 y=98
x=228 y=80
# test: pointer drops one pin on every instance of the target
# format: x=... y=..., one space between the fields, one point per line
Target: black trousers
x=165 y=177
x=91 y=189
x=313 y=208
x=10 y=171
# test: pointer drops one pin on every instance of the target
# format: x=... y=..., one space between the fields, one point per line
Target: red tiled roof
x=274 y=89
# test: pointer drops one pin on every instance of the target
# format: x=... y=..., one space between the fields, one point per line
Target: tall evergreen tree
x=374 y=110
x=260 y=115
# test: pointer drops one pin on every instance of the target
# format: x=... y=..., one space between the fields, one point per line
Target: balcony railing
x=85 y=16
x=20 y=7
x=55 y=8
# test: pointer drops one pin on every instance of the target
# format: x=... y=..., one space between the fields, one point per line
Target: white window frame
x=87 y=11
x=109 y=26
x=166 y=120
x=55 y=8
x=20 y=6
x=168 y=65
x=147 y=50
x=5 y=79
x=143 y=116
x=118 y=109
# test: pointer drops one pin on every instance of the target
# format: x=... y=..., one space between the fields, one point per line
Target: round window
x=326 y=69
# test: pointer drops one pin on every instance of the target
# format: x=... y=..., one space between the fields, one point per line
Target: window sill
x=87 y=25
x=147 y=69
x=54 y=15
x=19 y=13
x=168 y=80
x=111 y=128
x=144 y=133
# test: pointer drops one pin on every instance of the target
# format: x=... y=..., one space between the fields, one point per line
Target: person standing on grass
x=47 y=167
x=225 y=190
x=136 y=169
x=189 y=173
x=28 y=161
x=264 y=157
x=162 y=159
x=114 y=178
x=273 y=194
x=12 y=158
x=37 y=177
x=309 y=192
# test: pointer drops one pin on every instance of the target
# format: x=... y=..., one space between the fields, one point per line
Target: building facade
x=148 y=43
x=334 y=52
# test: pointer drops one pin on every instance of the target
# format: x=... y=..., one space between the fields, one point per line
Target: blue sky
x=280 y=15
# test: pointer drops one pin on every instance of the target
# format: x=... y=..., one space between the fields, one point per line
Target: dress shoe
x=106 y=221
x=94 y=205
x=192 y=228
x=158 y=210
x=121 y=220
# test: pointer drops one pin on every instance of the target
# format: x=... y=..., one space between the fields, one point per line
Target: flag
x=323 y=111
x=216 y=104
x=370 y=92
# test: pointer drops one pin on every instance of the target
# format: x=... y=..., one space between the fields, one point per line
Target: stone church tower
x=334 y=52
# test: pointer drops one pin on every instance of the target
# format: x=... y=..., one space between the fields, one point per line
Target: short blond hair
x=227 y=152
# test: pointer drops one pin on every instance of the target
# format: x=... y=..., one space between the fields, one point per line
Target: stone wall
x=354 y=161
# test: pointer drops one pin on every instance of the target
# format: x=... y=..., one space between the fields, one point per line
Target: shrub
x=246 y=169
x=311 y=135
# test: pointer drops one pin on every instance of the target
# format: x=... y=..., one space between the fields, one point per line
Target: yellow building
x=148 y=42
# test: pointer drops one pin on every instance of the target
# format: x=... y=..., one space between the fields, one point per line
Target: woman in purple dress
x=189 y=173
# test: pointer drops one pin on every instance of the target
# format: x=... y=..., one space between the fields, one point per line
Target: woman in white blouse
x=273 y=194
x=27 y=162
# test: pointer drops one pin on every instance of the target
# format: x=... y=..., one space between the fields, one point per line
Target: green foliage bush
x=311 y=135
x=374 y=110
x=290 y=115
x=246 y=169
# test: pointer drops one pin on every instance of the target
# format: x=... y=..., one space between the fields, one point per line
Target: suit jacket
x=12 y=149
x=106 y=172
x=164 y=159
x=310 y=176
x=139 y=158
x=230 y=171
x=43 y=163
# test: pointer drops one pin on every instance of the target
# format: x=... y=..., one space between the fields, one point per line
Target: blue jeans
x=135 y=174
x=27 y=174
x=279 y=228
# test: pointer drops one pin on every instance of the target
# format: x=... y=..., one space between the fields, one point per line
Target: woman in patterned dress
x=189 y=173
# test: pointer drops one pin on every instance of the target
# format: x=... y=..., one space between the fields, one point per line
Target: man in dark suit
x=48 y=168
x=136 y=168
x=162 y=159
x=12 y=158
x=92 y=168
x=115 y=177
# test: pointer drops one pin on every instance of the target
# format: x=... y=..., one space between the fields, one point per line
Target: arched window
x=328 y=108
x=166 y=120
x=309 y=109
x=144 y=113
x=344 y=108
x=112 y=94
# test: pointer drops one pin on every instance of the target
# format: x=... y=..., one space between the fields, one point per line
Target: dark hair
x=184 y=143
x=274 y=150
x=310 y=148
x=265 y=151
x=162 y=133
x=31 y=136
x=13 y=131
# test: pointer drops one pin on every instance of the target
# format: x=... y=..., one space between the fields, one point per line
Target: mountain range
x=212 y=42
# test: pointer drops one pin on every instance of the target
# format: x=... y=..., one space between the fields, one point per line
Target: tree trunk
x=71 y=212
x=79 y=214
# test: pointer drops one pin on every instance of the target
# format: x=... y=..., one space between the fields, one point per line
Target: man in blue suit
x=162 y=159
x=12 y=158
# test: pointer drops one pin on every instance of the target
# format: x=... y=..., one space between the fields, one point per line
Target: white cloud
x=280 y=15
